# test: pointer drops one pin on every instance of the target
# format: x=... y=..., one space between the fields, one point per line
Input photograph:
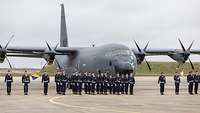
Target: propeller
x=186 y=53
x=141 y=55
x=3 y=51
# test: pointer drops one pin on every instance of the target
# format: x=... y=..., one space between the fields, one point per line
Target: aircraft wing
x=152 y=52
x=38 y=52
x=193 y=51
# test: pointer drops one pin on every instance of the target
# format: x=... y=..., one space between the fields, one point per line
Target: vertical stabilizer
x=63 y=29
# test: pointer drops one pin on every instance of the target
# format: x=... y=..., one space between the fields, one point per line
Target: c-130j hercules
x=111 y=58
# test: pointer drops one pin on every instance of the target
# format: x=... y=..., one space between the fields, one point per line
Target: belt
x=8 y=80
x=46 y=81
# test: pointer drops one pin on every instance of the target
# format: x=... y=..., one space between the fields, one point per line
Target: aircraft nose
x=125 y=66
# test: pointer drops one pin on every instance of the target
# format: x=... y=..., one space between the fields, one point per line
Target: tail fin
x=63 y=29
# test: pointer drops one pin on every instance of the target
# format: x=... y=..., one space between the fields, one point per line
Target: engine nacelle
x=2 y=56
x=49 y=58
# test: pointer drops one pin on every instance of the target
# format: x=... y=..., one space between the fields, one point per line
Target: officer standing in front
x=25 y=81
x=58 y=82
x=8 y=81
x=190 y=80
x=162 y=81
x=177 y=81
x=196 y=82
x=45 y=81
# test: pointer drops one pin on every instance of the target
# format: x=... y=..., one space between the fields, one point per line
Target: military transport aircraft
x=111 y=58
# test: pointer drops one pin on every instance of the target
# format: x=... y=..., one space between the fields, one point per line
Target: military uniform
x=101 y=84
x=64 y=81
x=196 y=83
x=73 y=77
x=131 y=83
x=98 y=81
x=126 y=83
x=8 y=81
x=25 y=81
x=122 y=84
x=105 y=84
x=177 y=81
x=45 y=81
x=190 y=80
x=162 y=81
x=58 y=83
x=85 y=83
x=93 y=80
x=80 y=83
x=89 y=82
x=117 y=85
x=111 y=84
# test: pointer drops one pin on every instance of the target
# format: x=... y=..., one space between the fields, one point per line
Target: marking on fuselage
x=53 y=101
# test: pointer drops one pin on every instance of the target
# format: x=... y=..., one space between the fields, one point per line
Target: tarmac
x=146 y=99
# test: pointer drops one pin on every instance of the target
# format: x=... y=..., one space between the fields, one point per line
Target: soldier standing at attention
x=8 y=81
x=98 y=83
x=58 y=82
x=126 y=81
x=131 y=83
x=122 y=83
x=162 y=81
x=114 y=78
x=190 y=80
x=45 y=81
x=89 y=81
x=177 y=81
x=64 y=81
x=196 y=82
x=117 y=82
x=73 y=83
x=25 y=81
x=80 y=83
x=93 y=84
x=105 y=83
x=85 y=82
x=110 y=82
x=101 y=83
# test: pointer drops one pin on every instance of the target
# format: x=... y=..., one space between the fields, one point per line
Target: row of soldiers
x=193 y=79
x=101 y=83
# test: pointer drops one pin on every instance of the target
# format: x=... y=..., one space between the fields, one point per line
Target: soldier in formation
x=26 y=82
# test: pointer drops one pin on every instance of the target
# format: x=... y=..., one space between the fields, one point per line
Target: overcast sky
x=100 y=22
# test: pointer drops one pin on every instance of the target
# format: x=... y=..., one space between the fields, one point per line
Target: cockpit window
x=118 y=52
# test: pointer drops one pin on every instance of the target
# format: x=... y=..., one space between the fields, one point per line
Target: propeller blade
x=191 y=64
x=190 y=46
x=145 y=48
x=56 y=46
x=43 y=67
x=48 y=46
x=148 y=64
x=137 y=46
x=9 y=41
x=183 y=48
x=9 y=63
x=59 y=66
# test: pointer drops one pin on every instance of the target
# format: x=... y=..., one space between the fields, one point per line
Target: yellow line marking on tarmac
x=52 y=100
